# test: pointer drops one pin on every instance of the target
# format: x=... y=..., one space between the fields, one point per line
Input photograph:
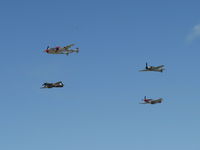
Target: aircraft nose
x=46 y=51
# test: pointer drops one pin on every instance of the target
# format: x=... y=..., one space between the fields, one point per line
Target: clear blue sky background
x=98 y=107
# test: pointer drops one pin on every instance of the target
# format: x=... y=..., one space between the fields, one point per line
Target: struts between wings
x=61 y=50
x=51 y=85
x=154 y=68
x=151 y=101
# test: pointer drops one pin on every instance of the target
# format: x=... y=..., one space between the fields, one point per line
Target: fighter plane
x=151 y=101
x=61 y=50
x=51 y=85
x=152 y=68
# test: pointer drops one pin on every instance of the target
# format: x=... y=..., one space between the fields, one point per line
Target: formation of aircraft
x=51 y=85
x=151 y=101
x=153 y=68
x=67 y=50
x=58 y=50
x=61 y=50
x=157 y=69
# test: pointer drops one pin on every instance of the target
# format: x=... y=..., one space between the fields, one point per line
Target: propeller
x=144 y=98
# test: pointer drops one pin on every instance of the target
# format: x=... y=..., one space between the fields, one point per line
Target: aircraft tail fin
x=146 y=65
x=77 y=50
x=161 y=70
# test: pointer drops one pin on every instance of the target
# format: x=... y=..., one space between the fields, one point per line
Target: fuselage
x=147 y=100
x=151 y=68
x=60 y=50
x=151 y=101
x=51 y=85
x=56 y=50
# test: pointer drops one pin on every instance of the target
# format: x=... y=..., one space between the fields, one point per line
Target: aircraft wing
x=69 y=46
x=160 y=99
x=158 y=67
x=144 y=70
x=58 y=82
x=157 y=101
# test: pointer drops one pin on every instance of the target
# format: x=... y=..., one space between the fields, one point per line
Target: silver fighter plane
x=61 y=50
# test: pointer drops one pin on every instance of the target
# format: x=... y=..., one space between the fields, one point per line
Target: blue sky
x=98 y=107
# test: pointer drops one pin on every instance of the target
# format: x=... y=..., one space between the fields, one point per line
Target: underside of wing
x=144 y=70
